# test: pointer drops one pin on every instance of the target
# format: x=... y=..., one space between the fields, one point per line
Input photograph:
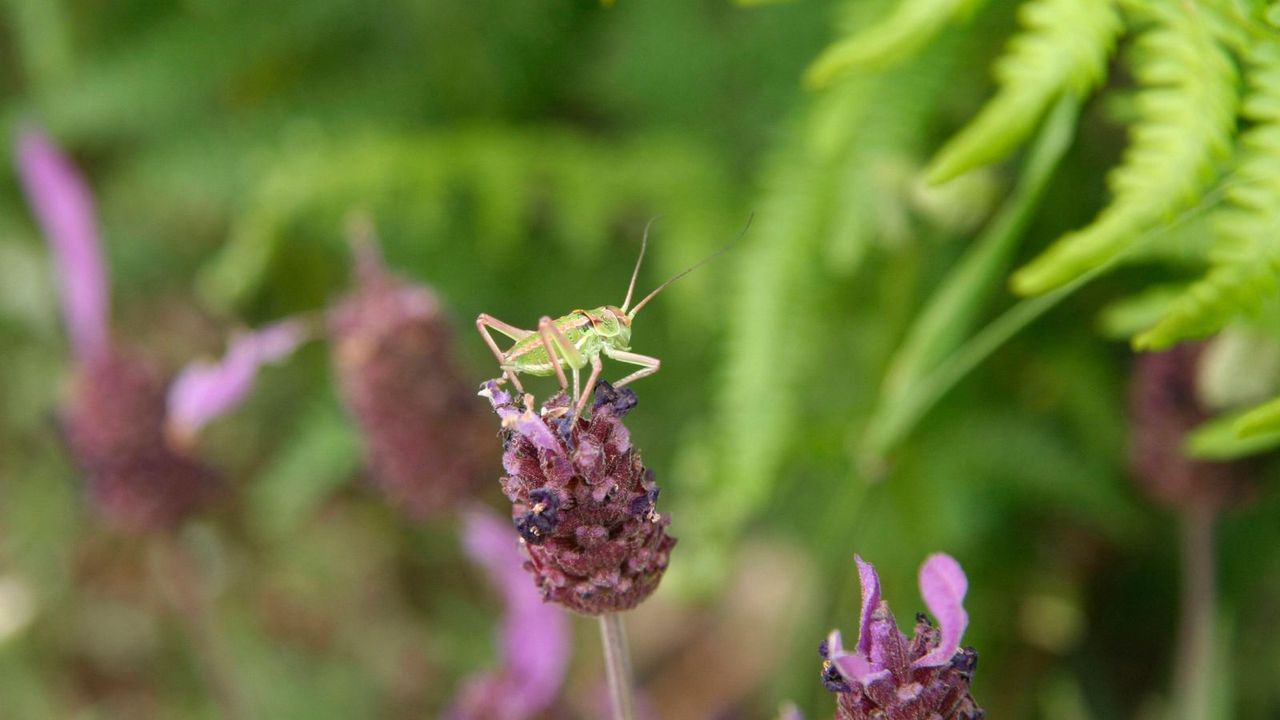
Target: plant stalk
x=617 y=664
x=1193 y=672
x=179 y=578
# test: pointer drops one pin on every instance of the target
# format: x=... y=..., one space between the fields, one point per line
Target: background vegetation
x=855 y=375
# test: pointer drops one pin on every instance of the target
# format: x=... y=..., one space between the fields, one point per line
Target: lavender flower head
x=534 y=637
x=394 y=353
x=120 y=420
x=1163 y=407
x=583 y=503
x=889 y=677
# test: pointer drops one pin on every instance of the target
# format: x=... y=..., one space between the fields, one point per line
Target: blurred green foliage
x=852 y=376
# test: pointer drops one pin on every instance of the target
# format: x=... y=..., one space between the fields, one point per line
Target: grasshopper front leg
x=596 y=367
x=650 y=364
x=552 y=340
x=486 y=322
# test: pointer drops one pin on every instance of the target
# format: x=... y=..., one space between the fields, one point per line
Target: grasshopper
x=580 y=338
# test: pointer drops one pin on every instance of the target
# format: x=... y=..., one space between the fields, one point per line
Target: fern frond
x=1187 y=115
x=911 y=26
x=1246 y=253
x=1261 y=420
x=1063 y=47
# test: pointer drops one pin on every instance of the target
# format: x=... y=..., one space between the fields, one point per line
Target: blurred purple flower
x=118 y=424
x=888 y=676
x=1164 y=406
x=206 y=390
x=534 y=636
x=398 y=372
x=63 y=206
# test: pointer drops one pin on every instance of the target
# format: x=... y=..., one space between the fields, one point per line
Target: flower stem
x=1193 y=675
x=179 y=576
x=617 y=663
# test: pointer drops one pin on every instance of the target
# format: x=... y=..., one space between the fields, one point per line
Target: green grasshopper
x=580 y=338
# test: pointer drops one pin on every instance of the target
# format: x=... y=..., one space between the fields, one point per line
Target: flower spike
x=584 y=504
x=889 y=677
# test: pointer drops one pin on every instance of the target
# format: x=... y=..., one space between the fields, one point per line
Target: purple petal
x=526 y=422
x=870 y=583
x=204 y=391
x=856 y=669
x=835 y=644
x=535 y=634
x=63 y=206
x=943 y=586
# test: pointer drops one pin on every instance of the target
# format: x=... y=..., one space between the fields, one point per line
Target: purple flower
x=64 y=207
x=398 y=373
x=888 y=676
x=1164 y=406
x=117 y=422
x=534 y=638
x=205 y=390
x=583 y=502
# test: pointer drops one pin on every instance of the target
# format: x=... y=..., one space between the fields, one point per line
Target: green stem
x=949 y=315
x=1193 y=674
x=617 y=664
x=179 y=575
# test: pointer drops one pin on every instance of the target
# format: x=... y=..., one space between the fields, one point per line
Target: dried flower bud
x=115 y=426
x=393 y=349
x=1164 y=406
x=583 y=503
x=887 y=676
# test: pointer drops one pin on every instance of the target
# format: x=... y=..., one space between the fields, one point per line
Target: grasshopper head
x=612 y=322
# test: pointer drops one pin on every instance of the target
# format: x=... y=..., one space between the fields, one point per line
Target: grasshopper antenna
x=690 y=269
x=644 y=243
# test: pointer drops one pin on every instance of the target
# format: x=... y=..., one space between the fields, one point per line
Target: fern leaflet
x=910 y=27
x=1246 y=253
x=1063 y=47
x=1187 y=116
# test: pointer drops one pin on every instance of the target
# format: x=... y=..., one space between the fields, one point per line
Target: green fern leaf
x=1261 y=420
x=910 y=27
x=1246 y=254
x=1063 y=47
x=1187 y=116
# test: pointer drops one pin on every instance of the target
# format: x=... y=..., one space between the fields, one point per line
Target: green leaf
x=1129 y=316
x=1062 y=49
x=1245 y=255
x=1261 y=420
x=1219 y=440
x=1187 y=110
x=910 y=27
x=948 y=317
x=901 y=418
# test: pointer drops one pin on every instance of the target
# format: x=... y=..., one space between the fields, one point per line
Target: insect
x=579 y=339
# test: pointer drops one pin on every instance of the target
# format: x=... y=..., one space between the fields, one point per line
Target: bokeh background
x=510 y=154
